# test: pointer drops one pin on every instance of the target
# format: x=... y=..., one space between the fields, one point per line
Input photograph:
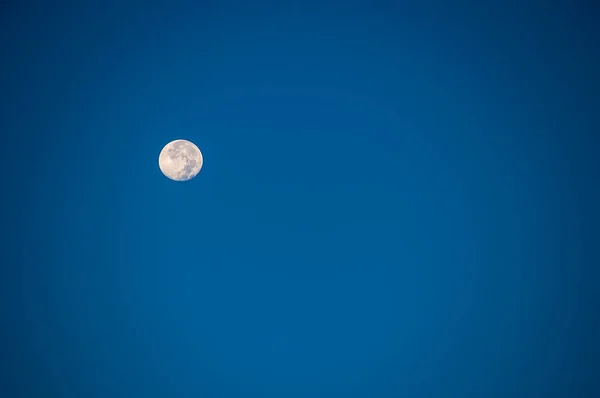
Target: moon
x=180 y=160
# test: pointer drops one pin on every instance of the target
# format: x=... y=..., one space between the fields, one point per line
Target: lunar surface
x=180 y=160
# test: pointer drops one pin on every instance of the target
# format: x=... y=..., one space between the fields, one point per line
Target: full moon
x=180 y=160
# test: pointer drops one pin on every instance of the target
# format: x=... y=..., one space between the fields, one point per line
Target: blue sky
x=396 y=200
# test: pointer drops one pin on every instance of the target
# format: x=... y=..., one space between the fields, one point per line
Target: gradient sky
x=397 y=200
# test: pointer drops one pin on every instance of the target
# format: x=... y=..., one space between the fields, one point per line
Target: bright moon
x=180 y=160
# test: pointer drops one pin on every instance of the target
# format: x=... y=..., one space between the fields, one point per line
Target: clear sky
x=397 y=200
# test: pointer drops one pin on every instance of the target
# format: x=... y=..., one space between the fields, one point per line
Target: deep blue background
x=397 y=200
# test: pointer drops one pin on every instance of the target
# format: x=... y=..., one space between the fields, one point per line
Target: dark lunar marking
x=184 y=175
x=174 y=152
x=188 y=170
x=183 y=150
